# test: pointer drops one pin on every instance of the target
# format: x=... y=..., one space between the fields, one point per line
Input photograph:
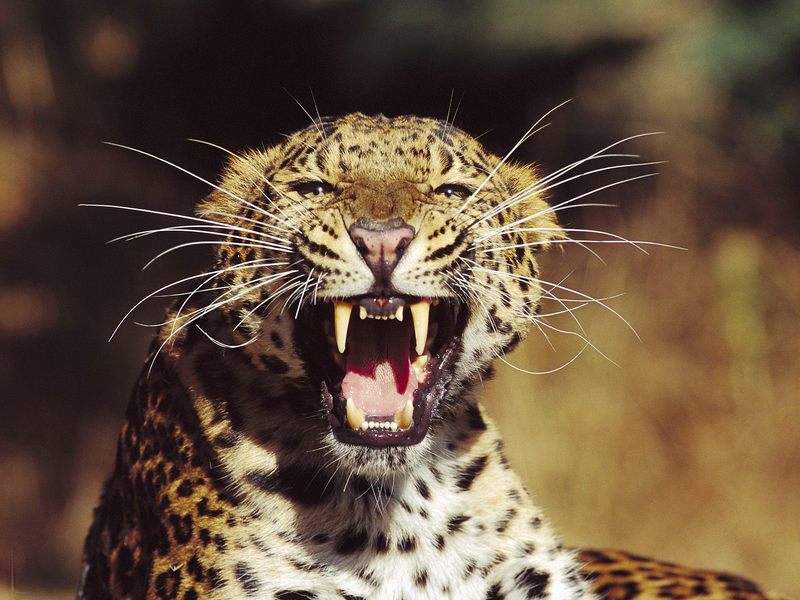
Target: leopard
x=307 y=423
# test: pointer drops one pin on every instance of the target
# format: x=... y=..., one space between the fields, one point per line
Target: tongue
x=378 y=374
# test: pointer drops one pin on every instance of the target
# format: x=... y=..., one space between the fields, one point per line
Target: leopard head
x=384 y=262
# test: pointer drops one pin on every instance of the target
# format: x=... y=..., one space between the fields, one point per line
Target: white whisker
x=539 y=187
x=260 y=176
x=308 y=114
x=206 y=243
x=567 y=202
x=305 y=287
x=224 y=345
x=564 y=366
x=166 y=287
x=178 y=216
x=531 y=131
x=206 y=181
x=211 y=230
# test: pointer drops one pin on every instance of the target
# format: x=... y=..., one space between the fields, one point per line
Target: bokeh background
x=686 y=446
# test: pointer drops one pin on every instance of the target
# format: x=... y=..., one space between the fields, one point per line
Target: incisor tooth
x=355 y=416
x=405 y=416
x=399 y=314
x=419 y=314
x=341 y=320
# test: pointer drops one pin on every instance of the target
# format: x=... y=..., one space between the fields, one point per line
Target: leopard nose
x=381 y=244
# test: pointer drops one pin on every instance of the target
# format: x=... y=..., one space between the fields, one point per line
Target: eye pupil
x=313 y=188
x=450 y=190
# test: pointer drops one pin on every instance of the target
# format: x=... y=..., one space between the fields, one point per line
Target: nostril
x=403 y=244
x=361 y=245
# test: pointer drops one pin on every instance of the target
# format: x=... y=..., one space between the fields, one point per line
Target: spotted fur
x=228 y=482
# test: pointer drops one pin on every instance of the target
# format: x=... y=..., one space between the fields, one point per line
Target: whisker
x=567 y=202
x=201 y=229
x=224 y=345
x=308 y=114
x=221 y=300
x=198 y=314
x=180 y=216
x=617 y=239
x=539 y=187
x=206 y=243
x=531 y=131
x=260 y=175
x=195 y=176
x=169 y=285
x=305 y=287
x=582 y=337
x=271 y=298
x=564 y=366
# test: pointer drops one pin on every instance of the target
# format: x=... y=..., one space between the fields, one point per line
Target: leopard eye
x=313 y=189
x=452 y=190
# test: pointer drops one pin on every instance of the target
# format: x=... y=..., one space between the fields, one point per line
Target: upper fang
x=341 y=321
x=419 y=314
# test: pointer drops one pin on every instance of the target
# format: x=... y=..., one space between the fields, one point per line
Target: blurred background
x=684 y=445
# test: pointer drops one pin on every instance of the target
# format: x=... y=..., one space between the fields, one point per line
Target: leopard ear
x=542 y=226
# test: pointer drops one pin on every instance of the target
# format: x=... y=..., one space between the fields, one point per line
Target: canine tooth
x=362 y=313
x=419 y=314
x=399 y=314
x=420 y=363
x=355 y=416
x=341 y=321
x=405 y=416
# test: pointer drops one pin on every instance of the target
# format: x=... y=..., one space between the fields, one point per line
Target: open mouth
x=384 y=363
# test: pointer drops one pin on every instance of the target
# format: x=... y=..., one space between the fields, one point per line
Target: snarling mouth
x=385 y=362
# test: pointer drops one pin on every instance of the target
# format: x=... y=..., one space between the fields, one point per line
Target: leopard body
x=229 y=482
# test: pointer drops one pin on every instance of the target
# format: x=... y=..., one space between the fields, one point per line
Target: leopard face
x=383 y=262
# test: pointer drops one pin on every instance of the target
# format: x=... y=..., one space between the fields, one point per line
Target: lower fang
x=355 y=416
x=405 y=416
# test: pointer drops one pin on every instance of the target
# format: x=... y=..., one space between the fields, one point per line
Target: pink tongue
x=379 y=377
